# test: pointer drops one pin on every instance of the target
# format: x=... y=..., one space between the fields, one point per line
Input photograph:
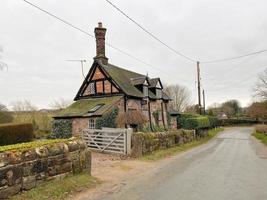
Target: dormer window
x=145 y=90
x=159 y=93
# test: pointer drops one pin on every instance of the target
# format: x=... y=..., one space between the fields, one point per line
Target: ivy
x=61 y=128
x=108 y=120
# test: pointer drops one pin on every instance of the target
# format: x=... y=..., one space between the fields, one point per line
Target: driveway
x=231 y=167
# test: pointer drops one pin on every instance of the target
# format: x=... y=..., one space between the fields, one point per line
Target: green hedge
x=61 y=128
x=196 y=123
x=229 y=122
x=15 y=133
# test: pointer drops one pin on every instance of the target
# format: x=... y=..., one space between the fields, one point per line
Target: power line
x=151 y=34
x=233 y=58
x=92 y=36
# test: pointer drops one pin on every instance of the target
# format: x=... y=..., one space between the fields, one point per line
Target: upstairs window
x=145 y=91
x=159 y=93
x=91 y=88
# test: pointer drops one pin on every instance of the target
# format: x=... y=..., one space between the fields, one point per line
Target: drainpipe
x=149 y=114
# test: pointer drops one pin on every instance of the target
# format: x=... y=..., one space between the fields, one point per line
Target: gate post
x=129 y=132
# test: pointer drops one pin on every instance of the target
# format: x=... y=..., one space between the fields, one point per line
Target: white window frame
x=145 y=90
x=91 y=123
x=159 y=93
x=91 y=87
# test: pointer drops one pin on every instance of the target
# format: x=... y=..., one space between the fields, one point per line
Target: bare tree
x=180 y=95
x=24 y=105
x=3 y=107
x=60 y=104
x=261 y=86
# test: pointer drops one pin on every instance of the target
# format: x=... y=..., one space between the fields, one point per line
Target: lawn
x=156 y=155
x=59 y=189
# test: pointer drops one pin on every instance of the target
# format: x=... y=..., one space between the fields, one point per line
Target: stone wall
x=79 y=124
x=24 y=170
x=144 y=143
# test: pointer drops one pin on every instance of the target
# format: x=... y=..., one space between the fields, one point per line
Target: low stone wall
x=25 y=169
x=144 y=143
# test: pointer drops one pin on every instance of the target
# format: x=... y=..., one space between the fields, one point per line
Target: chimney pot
x=99 y=24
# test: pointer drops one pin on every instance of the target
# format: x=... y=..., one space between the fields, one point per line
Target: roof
x=123 y=78
x=82 y=107
x=127 y=80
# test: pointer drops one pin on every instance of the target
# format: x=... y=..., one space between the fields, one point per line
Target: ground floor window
x=91 y=123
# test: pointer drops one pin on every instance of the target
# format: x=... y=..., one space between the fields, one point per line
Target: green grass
x=59 y=189
x=261 y=136
x=31 y=145
x=159 y=154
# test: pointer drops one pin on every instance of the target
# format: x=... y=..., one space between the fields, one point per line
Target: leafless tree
x=261 y=86
x=180 y=95
x=24 y=105
x=60 y=104
x=3 y=107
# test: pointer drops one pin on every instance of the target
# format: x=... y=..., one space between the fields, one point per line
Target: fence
x=109 y=140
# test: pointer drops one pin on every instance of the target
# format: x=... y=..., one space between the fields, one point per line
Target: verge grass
x=261 y=136
x=162 y=153
x=59 y=189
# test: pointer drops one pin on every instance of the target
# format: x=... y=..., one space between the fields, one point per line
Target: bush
x=108 y=120
x=229 y=122
x=261 y=128
x=15 y=133
x=213 y=121
x=5 y=117
x=61 y=128
x=189 y=122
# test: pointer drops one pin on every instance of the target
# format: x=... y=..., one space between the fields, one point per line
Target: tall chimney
x=100 y=33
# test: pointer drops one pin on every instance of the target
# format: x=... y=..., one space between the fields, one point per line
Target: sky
x=37 y=47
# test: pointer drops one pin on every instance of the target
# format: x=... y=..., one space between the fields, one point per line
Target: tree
x=261 y=85
x=258 y=110
x=231 y=108
x=5 y=115
x=60 y=104
x=214 y=109
x=24 y=105
x=180 y=95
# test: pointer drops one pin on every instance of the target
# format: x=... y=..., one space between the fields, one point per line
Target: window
x=145 y=90
x=92 y=110
x=91 y=88
x=159 y=93
x=91 y=123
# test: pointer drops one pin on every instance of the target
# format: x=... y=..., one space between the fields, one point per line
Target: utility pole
x=204 y=102
x=82 y=61
x=198 y=87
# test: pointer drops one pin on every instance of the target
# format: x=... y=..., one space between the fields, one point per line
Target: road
x=231 y=167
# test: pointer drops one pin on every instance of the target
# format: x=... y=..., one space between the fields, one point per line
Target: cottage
x=139 y=99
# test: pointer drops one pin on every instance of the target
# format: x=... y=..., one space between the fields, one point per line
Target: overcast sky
x=36 y=46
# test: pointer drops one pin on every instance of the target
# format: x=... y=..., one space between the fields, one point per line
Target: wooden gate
x=110 y=140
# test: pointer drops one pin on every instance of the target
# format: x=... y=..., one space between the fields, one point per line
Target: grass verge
x=261 y=136
x=59 y=189
x=162 y=153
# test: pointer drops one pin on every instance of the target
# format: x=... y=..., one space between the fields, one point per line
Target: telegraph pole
x=198 y=87
x=204 y=102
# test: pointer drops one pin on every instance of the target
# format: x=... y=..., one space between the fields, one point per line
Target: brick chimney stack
x=100 y=33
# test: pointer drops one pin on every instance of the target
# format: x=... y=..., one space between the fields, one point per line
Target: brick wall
x=78 y=124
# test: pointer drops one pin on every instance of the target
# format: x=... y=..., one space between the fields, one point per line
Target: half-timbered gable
x=107 y=86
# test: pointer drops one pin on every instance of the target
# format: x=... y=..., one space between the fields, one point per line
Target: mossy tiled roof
x=82 y=107
x=123 y=78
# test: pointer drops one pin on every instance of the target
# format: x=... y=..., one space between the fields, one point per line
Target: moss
x=81 y=107
x=31 y=145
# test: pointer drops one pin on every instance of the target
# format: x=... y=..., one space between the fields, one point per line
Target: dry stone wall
x=144 y=143
x=24 y=170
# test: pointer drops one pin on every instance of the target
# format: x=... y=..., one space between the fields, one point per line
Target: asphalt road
x=231 y=167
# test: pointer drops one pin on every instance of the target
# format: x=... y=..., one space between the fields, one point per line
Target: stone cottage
x=107 y=86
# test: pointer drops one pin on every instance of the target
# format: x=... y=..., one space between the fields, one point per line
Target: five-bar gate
x=110 y=140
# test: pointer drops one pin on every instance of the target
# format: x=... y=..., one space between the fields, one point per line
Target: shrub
x=213 y=121
x=15 y=133
x=200 y=122
x=229 y=122
x=261 y=128
x=5 y=117
x=61 y=128
x=108 y=119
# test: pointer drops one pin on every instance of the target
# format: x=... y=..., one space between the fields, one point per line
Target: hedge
x=16 y=133
x=196 y=123
x=108 y=119
x=61 y=128
x=229 y=122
